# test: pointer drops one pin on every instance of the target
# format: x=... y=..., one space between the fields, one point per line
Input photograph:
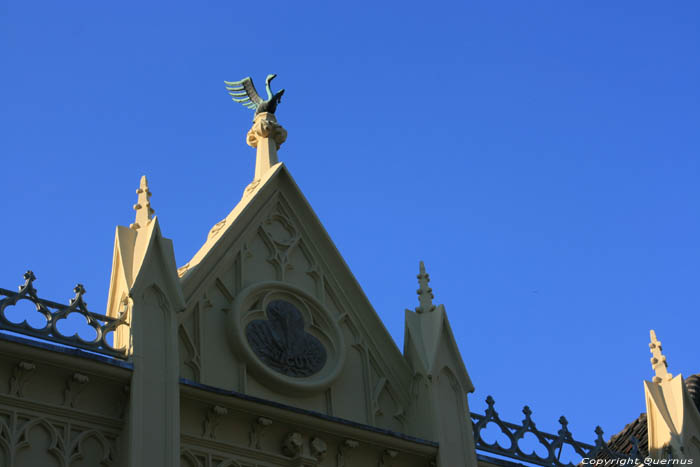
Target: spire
x=658 y=361
x=144 y=212
x=425 y=293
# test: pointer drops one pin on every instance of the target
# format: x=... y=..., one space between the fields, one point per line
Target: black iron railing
x=553 y=444
x=53 y=313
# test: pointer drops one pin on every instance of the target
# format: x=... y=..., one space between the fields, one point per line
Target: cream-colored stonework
x=440 y=381
x=145 y=285
x=266 y=136
x=59 y=409
x=276 y=238
x=272 y=246
x=673 y=420
x=256 y=433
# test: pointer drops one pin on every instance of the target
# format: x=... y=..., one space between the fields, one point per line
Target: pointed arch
x=187 y=455
x=24 y=445
x=5 y=441
x=76 y=450
x=450 y=376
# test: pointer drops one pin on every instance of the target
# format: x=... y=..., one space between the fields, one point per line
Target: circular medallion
x=283 y=344
x=286 y=337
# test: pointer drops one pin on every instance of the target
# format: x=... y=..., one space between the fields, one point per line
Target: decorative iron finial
x=144 y=212
x=564 y=425
x=528 y=416
x=29 y=278
x=598 y=431
x=658 y=361
x=243 y=91
x=79 y=291
x=425 y=293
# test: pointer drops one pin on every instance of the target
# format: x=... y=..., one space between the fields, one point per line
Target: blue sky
x=541 y=157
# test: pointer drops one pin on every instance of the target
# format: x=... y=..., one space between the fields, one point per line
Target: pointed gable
x=272 y=247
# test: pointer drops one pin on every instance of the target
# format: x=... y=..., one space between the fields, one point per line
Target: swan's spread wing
x=243 y=91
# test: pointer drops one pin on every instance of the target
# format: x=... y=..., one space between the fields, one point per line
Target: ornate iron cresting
x=54 y=312
x=553 y=444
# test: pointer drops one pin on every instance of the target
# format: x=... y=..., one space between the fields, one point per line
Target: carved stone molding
x=257 y=431
x=200 y=456
x=187 y=456
x=68 y=442
x=217 y=228
x=251 y=187
x=74 y=386
x=293 y=445
x=266 y=136
x=76 y=449
x=190 y=346
x=344 y=450
x=318 y=448
x=20 y=375
x=386 y=459
x=183 y=269
x=379 y=387
x=283 y=238
x=212 y=420
x=383 y=387
x=266 y=126
x=297 y=347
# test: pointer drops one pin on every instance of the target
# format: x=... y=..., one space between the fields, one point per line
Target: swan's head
x=269 y=78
